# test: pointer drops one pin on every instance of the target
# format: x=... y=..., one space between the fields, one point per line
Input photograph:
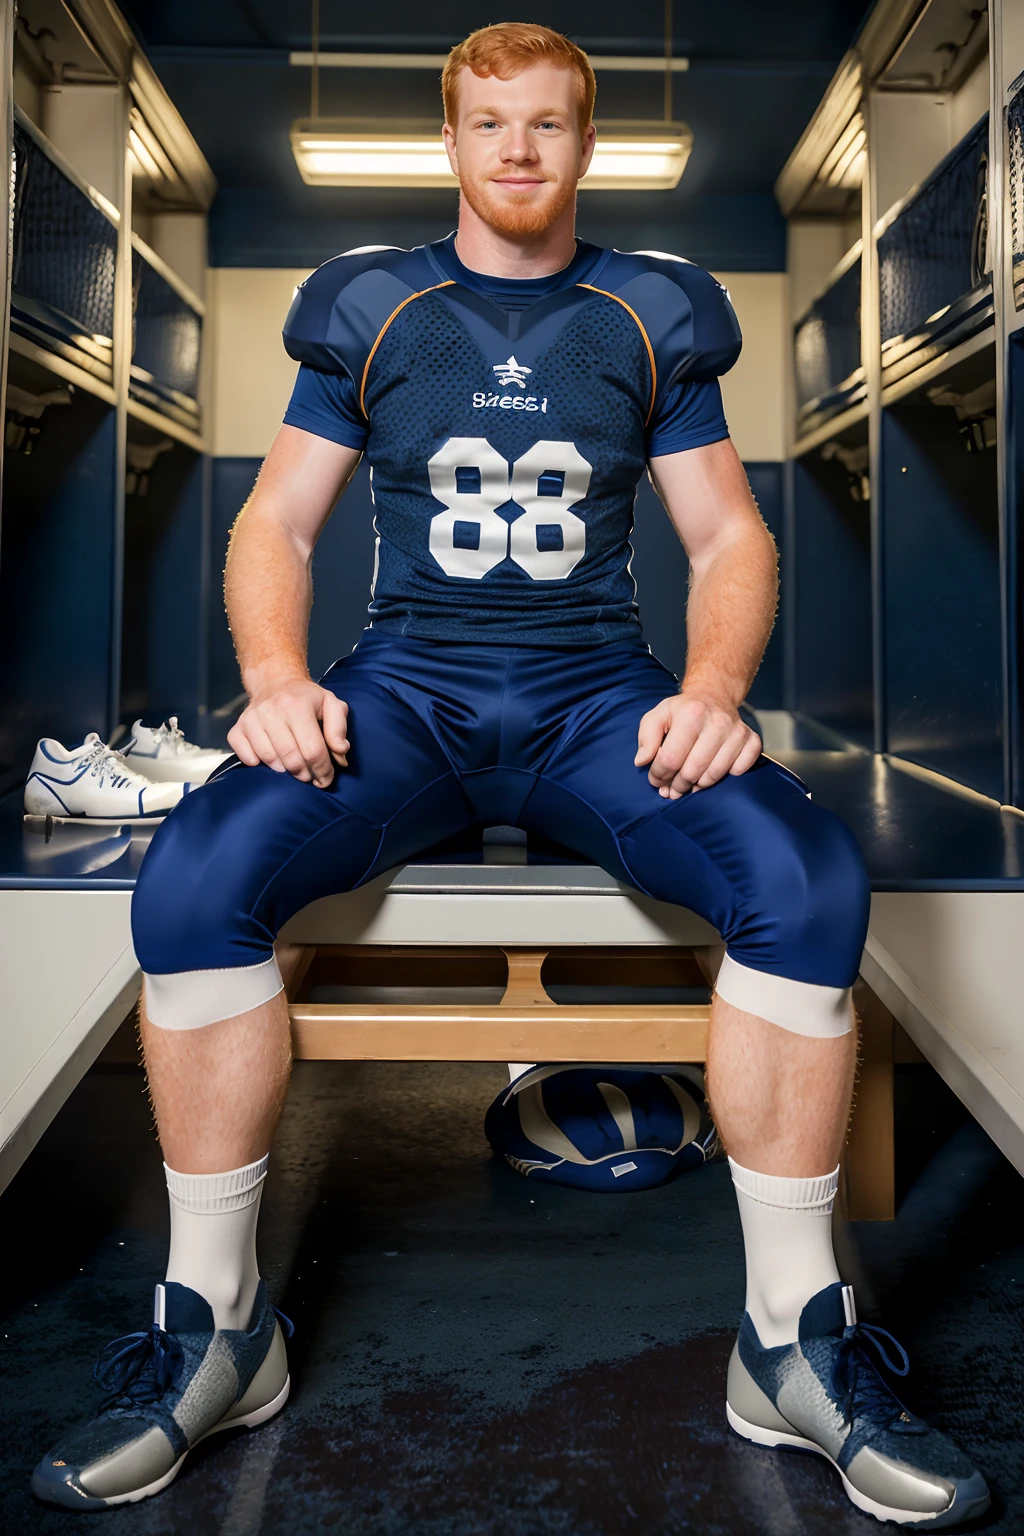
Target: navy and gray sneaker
x=826 y=1394
x=167 y=1390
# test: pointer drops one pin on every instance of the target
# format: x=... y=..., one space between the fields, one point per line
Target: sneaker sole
x=243 y=1421
x=774 y=1440
x=80 y=818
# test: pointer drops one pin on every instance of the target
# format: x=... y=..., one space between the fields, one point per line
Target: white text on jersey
x=481 y=399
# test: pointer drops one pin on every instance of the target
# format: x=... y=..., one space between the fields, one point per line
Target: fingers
x=259 y=741
x=687 y=722
x=286 y=750
x=240 y=745
x=741 y=750
x=284 y=731
x=334 y=720
x=749 y=754
x=702 y=744
x=651 y=733
x=310 y=742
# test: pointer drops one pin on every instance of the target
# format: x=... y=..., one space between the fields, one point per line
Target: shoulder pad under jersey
x=690 y=323
x=340 y=310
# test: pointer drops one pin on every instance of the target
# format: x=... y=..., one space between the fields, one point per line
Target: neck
x=488 y=251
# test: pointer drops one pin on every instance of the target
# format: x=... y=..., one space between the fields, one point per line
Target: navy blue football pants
x=447 y=736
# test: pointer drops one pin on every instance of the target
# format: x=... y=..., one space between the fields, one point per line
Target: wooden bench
x=502 y=934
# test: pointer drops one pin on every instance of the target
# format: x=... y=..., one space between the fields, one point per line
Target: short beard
x=519 y=215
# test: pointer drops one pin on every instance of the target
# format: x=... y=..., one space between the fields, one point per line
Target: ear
x=587 y=148
x=448 y=134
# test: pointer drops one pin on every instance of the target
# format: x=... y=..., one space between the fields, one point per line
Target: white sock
x=517 y=1068
x=787 y=1236
x=213 y=1238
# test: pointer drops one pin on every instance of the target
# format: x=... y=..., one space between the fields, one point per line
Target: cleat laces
x=138 y=1368
x=857 y=1382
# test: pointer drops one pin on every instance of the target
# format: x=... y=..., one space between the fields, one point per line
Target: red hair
x=505 y=50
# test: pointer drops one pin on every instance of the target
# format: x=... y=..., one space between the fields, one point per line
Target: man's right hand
x=294 y=726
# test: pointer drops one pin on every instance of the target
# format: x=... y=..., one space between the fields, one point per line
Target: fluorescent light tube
x=339 y=152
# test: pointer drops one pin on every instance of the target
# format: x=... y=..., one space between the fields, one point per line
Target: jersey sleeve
x=689 y=414
x=326 y=405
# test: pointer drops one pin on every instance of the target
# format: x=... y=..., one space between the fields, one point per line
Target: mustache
x=490 y=176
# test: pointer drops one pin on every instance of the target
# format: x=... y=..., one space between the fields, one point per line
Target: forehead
x=540 y=86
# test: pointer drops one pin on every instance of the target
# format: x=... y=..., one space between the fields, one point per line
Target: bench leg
x=293 y=961
x=868 y=1173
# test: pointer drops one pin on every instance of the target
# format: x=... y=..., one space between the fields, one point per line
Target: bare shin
x=217 y=1092
x=780 y=1100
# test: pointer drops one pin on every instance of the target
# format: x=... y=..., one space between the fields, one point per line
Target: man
x=508 y=385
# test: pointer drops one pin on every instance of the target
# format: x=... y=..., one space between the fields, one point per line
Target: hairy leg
x=218 y=1092
x=781 y=1101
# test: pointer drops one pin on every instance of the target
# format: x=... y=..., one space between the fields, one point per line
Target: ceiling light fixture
x=348 y=152
x=631 y=155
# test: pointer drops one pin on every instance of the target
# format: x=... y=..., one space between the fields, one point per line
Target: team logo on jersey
x=511 y=372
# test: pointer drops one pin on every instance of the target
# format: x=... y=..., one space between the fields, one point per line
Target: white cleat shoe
x=93 y=780
x=164 y=755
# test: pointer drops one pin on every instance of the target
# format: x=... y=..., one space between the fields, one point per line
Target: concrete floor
x=474 y=1354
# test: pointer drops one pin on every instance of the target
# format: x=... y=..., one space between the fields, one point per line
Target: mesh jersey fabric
x=506 y=437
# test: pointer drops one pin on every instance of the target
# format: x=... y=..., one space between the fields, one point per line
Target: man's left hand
x=691 y=741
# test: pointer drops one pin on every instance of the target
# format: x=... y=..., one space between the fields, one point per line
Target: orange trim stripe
x=448 y=283
x=643 y=333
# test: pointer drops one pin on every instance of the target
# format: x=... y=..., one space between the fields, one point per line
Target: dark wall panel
x=942 y=611
x=231 y=482
x=1014 y=574
x=831 y=564
x=272 y=227
x=766 y=484
x=343 y=569
x=57 y=561
x=165 y=597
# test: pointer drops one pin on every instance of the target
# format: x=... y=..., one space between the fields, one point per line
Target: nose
x=518 y=147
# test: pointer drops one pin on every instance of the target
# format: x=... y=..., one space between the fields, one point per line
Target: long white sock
x=213 y=1238
x=787 y=1236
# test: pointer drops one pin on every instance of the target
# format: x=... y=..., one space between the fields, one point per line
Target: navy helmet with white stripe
x=602 y=1127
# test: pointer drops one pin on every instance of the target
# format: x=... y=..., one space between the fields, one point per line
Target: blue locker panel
x=166 y=342
x=932 y=271
x=831 y=565
x=64 y=252
x=943 y=659
x=1013 y=574
x=165 y=598
x=828 y=372
x=57 y=563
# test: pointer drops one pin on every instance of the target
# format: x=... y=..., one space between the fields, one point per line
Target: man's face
x=516 y=148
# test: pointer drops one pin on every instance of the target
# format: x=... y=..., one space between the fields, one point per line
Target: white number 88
x=496 y=538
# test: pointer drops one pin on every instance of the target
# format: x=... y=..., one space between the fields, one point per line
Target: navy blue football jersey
x=507 y=424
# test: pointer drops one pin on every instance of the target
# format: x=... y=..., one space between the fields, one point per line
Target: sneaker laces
x=170 y=731
x=102 y=760
x=856 y=1378
x=138 y=1368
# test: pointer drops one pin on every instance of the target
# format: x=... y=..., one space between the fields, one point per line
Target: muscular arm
x=696 y=738
x=290 y=723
